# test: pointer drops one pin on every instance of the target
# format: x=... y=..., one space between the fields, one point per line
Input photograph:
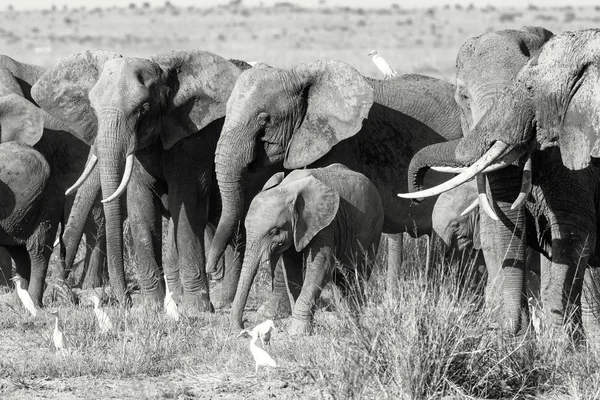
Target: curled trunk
x=439 y=154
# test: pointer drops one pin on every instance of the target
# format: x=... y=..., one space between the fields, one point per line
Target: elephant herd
x=301 y=168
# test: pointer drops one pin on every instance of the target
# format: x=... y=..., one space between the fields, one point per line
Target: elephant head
x=277 y=116
x=487 y=66
x=287 y=213
x=120 y=105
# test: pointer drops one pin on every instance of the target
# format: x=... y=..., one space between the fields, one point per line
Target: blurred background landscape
x=282 y=34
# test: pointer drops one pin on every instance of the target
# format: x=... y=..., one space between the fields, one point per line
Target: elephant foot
x=195 y=304
x=220 y=296
x=276 y=307
x=299 y=327
x=152 y=298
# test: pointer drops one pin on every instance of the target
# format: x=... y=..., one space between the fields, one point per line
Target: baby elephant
x=311 y=218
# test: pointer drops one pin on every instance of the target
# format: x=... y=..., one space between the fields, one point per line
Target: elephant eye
x=263 y=118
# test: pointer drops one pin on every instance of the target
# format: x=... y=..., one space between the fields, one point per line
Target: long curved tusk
x=89 y=167
x=483 y=198
x=504 y=162
x=124 y=181
x=471 y=207
x=488 y=158
x=525 y=185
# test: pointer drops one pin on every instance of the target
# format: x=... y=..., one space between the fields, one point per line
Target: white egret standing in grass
x=58 y=336
x=261 y=357
x=535 y=318
x=24 y=296
x=102 y=317
x=264 y=331
x=382 y=65
x=170 y=305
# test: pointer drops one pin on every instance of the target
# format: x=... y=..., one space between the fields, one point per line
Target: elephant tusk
x=124 y=181
x=471 y=207
x=483 y=198
x=504 y=162
x=469 y=173
x=525 y=185
x=89 y=167
x=56 y=242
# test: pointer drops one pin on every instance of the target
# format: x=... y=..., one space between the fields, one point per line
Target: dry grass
x=427 y=340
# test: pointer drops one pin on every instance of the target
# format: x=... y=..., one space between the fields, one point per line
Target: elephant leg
x=145 y=223
x=319 y=261
x=22 y=261
x=278 y=304
x=563 y=290
x=189 y=222
x=590 y=301
x=5 y=267
x=395 y=245
x=95 y=262
x=503 y=244
x=170 y=265
x=39 y=247
x=223 y=293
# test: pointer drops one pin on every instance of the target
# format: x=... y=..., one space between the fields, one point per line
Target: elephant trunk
x=439 y=154
x=230 y=168
x=252 y=261
x=115 y=141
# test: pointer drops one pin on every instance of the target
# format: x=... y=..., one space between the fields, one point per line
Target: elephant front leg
x=278 y=303
x=145 y=224
x=319 y=258
x=39 y=246
x=562 y=291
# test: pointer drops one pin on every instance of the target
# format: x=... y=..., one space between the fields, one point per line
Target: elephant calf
x=312 y=216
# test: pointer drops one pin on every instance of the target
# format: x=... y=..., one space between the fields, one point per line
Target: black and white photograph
x=303 y=199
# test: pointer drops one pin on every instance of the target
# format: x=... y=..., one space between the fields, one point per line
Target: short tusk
x=469 y=173
x=504 y=162
x=89 y=167
x=124 y=181
x=56 y=242
x=525 y=185
x=471 y=207
x=483 y=198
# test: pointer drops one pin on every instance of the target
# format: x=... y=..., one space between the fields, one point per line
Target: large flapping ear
x=8 y=82
x=338 y=100
x=62 y=91
x=314 y=207
x=274 y=180
x=20 y=120
x=201 y=83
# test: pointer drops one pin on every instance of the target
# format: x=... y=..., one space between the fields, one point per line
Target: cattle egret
x=264 y=331
x=535 y=318
x=58 y=336
x=261 y=357
x=170 y=305
x=24 y=296
x=382 y=65
x=102 y=317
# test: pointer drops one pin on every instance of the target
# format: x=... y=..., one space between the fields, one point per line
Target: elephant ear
x=20 y=120
x=338 y=100
x=314 y=207
x=62 y=91
x=201 y=83
x=274 y=181
x=542 y=33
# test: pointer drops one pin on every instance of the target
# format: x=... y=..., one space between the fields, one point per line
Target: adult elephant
x=157 y=120
x=561 y=224
x=325 y=112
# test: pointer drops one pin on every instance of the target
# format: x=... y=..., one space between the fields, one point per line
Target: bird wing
x=262 y=357
x=172 y=311
x=27 y=301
